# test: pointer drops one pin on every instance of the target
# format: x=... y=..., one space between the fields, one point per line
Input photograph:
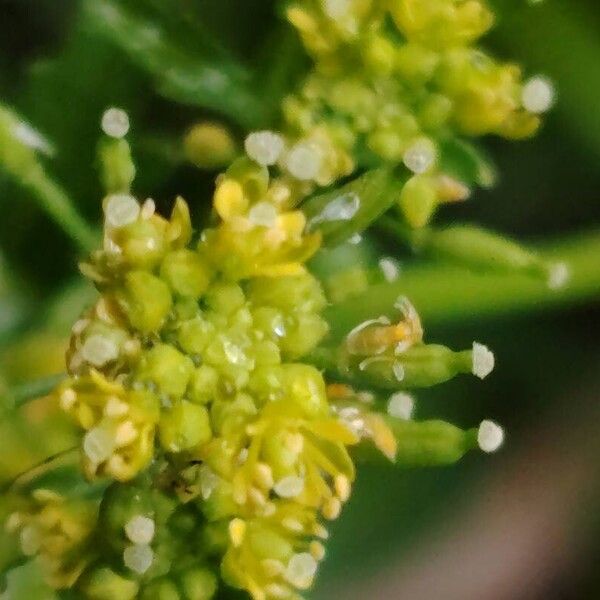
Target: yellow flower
x=120 y=424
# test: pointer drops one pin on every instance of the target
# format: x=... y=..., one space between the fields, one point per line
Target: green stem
x=20 y=395
x=55 y=202
x=445 y=293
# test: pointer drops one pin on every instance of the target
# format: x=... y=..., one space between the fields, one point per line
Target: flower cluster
x=218 y=419
x=398 y=82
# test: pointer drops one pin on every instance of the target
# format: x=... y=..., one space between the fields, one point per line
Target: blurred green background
x=522 y=524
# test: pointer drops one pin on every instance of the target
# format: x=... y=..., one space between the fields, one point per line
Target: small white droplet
x=483 y=360
x=121 y=210
x=140 y=529
x=303 y=161
x=390 y=269
x=490 y=436
x=115 y=408
x=98 y=445
x=342 y=208
x=301 y=570
x=538 y=95
x=115 y=122
x=98 y=350
x=401 y=406
x=138 y=558
x=420 y=156
x=289 y=487
x=263 y=214
x=264 y=147
x=558 y=276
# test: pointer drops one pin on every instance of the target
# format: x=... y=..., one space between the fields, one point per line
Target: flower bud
x=102 y=583
x=145 y=300
x=186 y=273
x=184 y=427
x=168 y=369
x=118 y=170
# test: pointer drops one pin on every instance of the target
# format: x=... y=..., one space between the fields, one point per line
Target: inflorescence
x=220 y=439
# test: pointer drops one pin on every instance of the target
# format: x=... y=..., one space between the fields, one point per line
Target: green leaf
x=181 y=72
x=350 y=209
x=467 y=162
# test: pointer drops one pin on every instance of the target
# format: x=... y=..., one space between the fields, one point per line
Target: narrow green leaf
x=345 y=211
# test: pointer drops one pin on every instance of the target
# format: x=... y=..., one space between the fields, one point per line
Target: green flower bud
x=303 y=334
x=104 y=584
x=145 y=300
x=203 y=384
x=161 y=590
x=118 y=170
x=120 y=504
x=253 y=178
x=167 y=368
x=304 y=385
x=184 y=427
x=186 y=273
x=199 y=584
x=194 y=335
x=209 y=146
x=418 y=201
x=430 y=443
x=301 y=293
x=479 y=248
x=142 y=243
x=225 y=298
x=229 y=416
x=422 y=365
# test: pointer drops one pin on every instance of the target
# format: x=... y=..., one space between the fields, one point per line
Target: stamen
x=115 y=123
x=138 y=558
x=490 y=436
x=140 y=529
x=289 y=487
x=401 y=406
x=264 y=147
x=538 y=95
x=301 y=570
x=483 y=360
x=98 y=350
x=121 y=210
